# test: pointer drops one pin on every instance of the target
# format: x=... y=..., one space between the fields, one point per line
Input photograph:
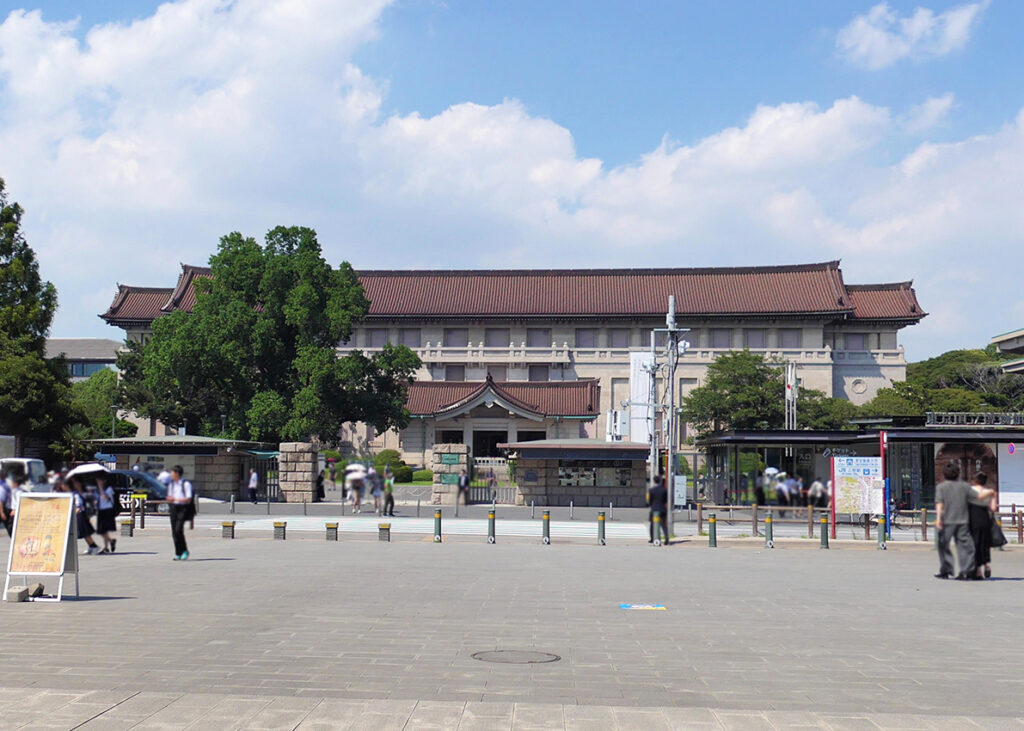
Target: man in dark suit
x=463 y=488
x=657 y=498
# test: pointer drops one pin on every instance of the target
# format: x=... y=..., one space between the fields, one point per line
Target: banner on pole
x=858 y=486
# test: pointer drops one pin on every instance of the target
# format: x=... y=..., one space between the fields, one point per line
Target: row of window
x=498 y=373
x=80 y=369
x=587 y=337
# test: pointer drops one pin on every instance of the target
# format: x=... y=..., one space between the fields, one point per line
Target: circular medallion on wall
x=858 y=385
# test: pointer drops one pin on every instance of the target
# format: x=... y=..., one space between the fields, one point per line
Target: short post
x=232 y=503
x=753 y=520
x=132 y=502
x=1020 y=526
x=384 y=532
x=881 y=532
x=700 y=518
x=227 y=529
x=712 y=531
x=417 y=507
x=924 y=524
x=304 y=508
x=332 y=531
x=810 y=522
x=343 y=508
x=490 y=526
x=142 y=514
x=268 y=503
x=611 y=511
x=769 y=540
x=457 y=505
x=546 y=520
x=127 y=528
x=280 y=527
x=656 y=528
x=533 y=510
x=600 y=529
x=570 y=510
x=824 y=531
x=437 y=525
x=867 y=527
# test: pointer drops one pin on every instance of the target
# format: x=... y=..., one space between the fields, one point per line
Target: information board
x=857 y=485
x=679 y=490
x=43 y=539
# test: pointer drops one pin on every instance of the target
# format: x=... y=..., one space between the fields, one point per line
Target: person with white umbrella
x=74 y=480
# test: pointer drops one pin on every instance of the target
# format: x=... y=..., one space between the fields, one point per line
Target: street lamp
x=113 y=420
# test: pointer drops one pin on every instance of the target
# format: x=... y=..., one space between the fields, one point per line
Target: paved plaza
x=305 y=633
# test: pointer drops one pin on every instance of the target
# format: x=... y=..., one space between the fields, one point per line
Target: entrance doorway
x=485 y=443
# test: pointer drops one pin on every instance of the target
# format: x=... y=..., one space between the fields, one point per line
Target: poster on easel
x=43 y=542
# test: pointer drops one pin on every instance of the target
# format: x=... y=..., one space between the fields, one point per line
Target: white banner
x=639 y=396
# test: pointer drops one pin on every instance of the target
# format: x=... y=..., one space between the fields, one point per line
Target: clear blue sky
x=619 y=77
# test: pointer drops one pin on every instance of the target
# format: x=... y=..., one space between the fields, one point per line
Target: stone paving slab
x=255 y=633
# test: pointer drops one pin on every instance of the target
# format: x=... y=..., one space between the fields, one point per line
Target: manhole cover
x=515 y=657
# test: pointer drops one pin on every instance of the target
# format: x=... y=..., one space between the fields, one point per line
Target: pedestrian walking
x=389 y=493
x=376 y=488
x=106 y=514
x=181 y=496
x=463 y=488
x=254 y=483
x=980 y=521
x=82 y=522
x=952 y=523
x=657 y=499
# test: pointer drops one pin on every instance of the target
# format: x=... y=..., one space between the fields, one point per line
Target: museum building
x=517 y=355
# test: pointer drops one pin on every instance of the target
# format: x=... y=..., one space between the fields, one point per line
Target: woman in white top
x=106 y=514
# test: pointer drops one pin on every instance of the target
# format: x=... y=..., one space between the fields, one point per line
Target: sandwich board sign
x=44 y=540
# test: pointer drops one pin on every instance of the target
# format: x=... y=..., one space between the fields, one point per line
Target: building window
x=450 y=436
x=497 y=372
x=538 y=373
x=721 y=338
x=409 y=337
x=660 y=339
x=376 y=337
x=754 y=338
x=538 y=337
x=856 y=341
x=496 y=337
x=456 y=337
x=791 y=337
x=586 y=337
x=455 y=373
x=618 y=337
x=887 y=341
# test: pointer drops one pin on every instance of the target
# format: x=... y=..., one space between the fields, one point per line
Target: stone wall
x=538 y=483
x=297 y=468
x=445 y=493
x=217 y=477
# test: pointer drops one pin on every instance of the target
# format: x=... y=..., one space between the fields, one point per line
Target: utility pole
x=673 y=346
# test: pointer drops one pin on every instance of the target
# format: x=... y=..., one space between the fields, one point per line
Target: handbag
x=998 y=539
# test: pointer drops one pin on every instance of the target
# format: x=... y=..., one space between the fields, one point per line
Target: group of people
x=965 y=518
x=790 y=490
x=382 y=488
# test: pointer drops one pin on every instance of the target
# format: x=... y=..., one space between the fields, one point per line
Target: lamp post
x=113 y=420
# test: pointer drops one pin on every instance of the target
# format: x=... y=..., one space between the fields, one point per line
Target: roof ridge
x=881 y=286
x=818 y=266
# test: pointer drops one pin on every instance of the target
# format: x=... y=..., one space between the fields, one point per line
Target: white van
x=33 y=470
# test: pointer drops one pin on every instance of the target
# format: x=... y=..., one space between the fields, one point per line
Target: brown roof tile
x=812 y=288
x=553 y=398
x=136 y=304
x=895 y=301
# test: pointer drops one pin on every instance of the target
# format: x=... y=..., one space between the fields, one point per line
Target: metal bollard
x=700 y=519
x=343 y=508
x=753 y=520
x=268 y=504
x=924 y=524
x=332 y=531
x=127 y=528
x=824 y=532
x=227 y=529
x=656 y=529
x=1020 y=526
x=232 y=504
x=490 y=526
x=611 y=511
x=600 y=529
x=533 y=510
x=810 y=522
x=384 y=532
x=769 y=530
x=304 y=508
x=570 y=510
x=142 y=514
x=712 y=531
x=881 y=532
x=546 y=518
x=279 y=530
x=437 y=526
x=417 y=507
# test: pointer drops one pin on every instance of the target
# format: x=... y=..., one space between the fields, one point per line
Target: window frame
x=530 y=371
x=447 y=341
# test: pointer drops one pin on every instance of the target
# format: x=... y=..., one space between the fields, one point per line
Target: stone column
x=447 y=461
x=297 y=467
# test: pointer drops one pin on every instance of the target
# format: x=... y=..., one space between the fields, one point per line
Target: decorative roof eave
x=488 y=396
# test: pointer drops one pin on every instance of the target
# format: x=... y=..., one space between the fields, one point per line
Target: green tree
x=815 y=410
x=33 y=389
x=259 y=348
x=741 y=391
x=93 y=401
x=72 y=443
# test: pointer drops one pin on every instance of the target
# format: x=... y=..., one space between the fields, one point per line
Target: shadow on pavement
x=85 y=598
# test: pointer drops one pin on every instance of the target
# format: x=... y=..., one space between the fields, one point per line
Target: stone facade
x=297 y=470
x=218 y=477
x=538 y=483
x=447 y=461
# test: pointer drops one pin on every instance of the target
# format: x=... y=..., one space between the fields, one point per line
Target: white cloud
x=135 y=163
x=881 y=37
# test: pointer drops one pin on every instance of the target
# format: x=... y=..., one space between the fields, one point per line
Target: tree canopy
x=741 y=390
x=259 y=349
x=93 y=401
x=33 y=389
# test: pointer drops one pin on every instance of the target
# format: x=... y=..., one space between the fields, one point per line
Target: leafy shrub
x=403 y=473
x=422 y=476
x=387 y=456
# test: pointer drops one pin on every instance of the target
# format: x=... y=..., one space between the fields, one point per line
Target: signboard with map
x=43 y=539
x=858 y=486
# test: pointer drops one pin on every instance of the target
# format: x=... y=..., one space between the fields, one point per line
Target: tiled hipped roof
x=810 y=289
x=551 y=398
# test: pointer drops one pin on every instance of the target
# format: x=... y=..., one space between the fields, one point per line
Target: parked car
x=33 y=471
x=129 y=482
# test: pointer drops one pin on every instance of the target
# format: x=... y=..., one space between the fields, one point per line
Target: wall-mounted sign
x=449 y=459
